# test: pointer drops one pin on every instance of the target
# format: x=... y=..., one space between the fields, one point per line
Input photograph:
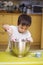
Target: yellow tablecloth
x=9 y=59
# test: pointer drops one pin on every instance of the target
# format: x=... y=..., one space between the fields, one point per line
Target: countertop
x=30 y=59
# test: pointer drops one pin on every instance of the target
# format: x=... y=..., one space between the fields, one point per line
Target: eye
x=21 y=27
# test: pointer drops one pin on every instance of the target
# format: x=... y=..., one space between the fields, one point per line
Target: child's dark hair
x=24 y=19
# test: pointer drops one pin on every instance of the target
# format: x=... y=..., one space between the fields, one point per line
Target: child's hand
x=14 y=40
x=25 y=40
x=7 y=28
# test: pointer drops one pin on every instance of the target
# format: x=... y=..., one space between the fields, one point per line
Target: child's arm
x=7 y=28
x=29 y=37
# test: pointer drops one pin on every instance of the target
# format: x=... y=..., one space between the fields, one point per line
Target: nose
x=23 y=30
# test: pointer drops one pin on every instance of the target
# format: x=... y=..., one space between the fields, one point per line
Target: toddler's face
x=22 y=28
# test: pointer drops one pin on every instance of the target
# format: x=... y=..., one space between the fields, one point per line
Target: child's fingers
x=13 y=39
x=6 y=27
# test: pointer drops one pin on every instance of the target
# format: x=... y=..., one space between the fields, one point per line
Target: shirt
x=17 y=35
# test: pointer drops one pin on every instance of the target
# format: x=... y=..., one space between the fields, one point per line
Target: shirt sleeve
x=10 y=30
x=29 y=37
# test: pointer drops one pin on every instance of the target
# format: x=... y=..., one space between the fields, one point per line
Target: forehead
x=23 y=26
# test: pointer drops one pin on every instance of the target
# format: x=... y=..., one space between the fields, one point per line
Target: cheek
x=20 y=29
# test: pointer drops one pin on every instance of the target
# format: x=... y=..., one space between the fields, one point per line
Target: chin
x=21 y=32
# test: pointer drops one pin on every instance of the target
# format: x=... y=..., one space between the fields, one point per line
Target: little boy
x=20 y=31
